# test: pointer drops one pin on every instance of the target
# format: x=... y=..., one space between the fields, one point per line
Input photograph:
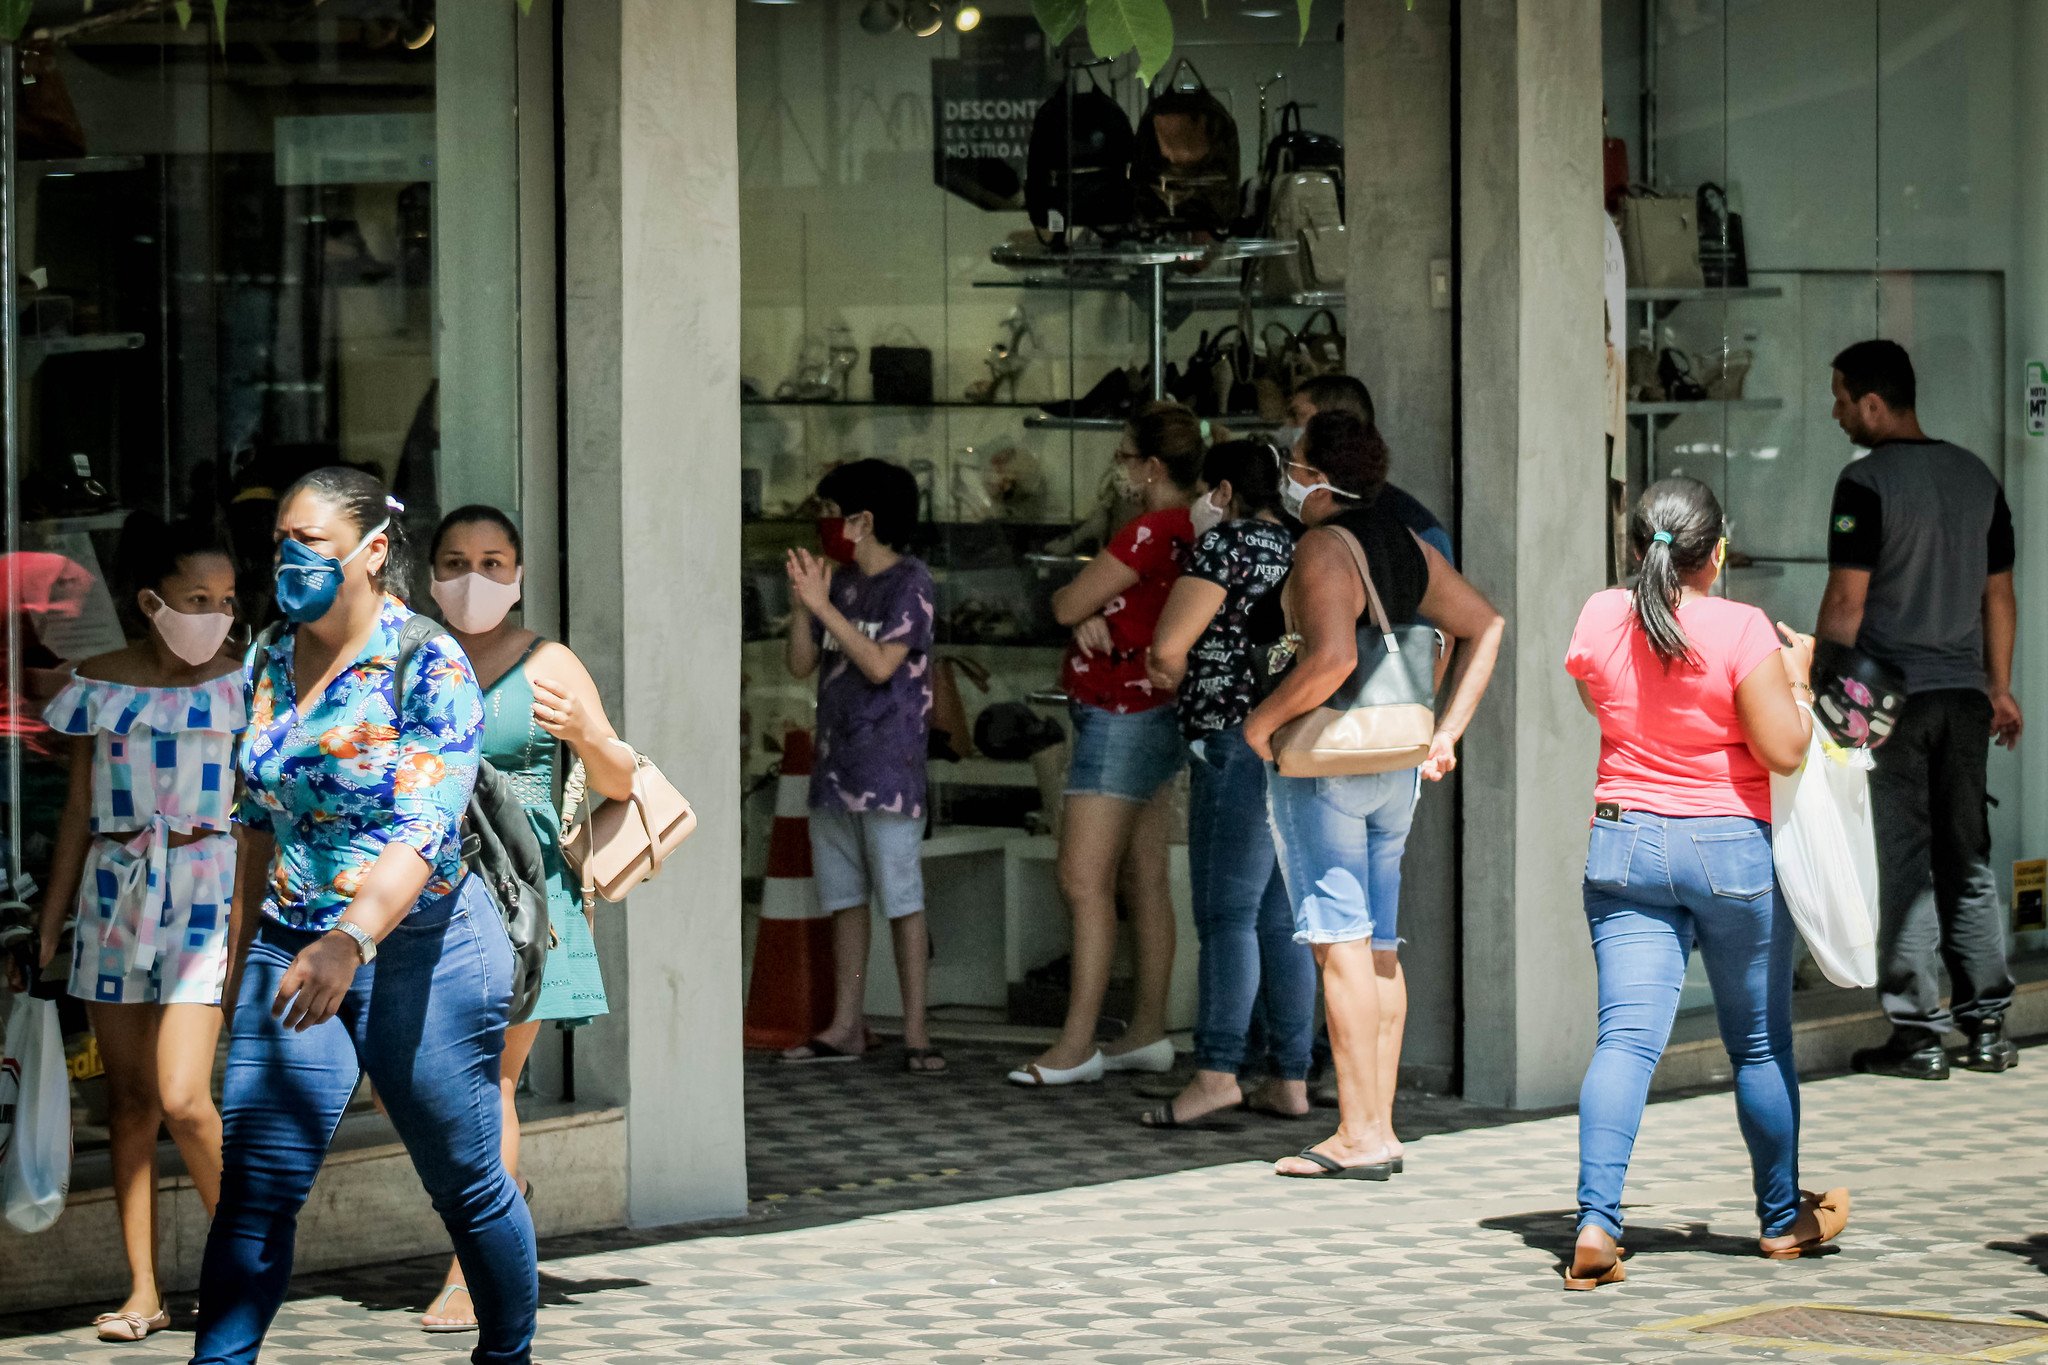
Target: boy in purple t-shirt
x=863 y=621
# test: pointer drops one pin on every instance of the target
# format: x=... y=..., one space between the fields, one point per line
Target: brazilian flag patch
x=1845 y=524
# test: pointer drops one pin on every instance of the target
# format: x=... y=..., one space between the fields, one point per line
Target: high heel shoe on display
x=1035 y=1075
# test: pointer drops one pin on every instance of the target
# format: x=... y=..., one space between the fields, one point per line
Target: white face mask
x=1206 y=515
x=195 y=637
x=1294 y=495
x=473 y=603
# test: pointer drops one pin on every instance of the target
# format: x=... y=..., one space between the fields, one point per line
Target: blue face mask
x=308 y=581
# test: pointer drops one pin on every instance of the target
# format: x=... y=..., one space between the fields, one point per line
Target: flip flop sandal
x=1612 y=1274
x=918 y=1061
x=820 y=1051
x=1830 y=1214
x=130 y=1326
x=448 y=1291
x=1332 y=1170
x=1163 y=1117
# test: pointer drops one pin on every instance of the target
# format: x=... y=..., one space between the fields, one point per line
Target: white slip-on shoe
x=1036 y=1075
x=1153 y=1057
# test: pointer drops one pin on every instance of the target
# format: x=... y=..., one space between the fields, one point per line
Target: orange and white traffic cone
x=789 y=999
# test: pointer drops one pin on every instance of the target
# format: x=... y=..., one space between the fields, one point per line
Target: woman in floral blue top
x=373 y=953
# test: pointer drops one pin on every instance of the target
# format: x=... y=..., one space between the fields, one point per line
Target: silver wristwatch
x=366 y=946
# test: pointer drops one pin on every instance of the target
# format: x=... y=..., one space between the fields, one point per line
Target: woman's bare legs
x=127 y=1037
x=1146 y=879
x=187 y=1037
x=1095 y=832
x=519 y=1041
x=1393 y=995
x=1351 y=1005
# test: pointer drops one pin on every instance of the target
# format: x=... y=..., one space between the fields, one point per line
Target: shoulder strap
x=416 y=631
x=1376 y=610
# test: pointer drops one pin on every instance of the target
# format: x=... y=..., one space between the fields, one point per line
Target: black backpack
x=500 y=849
x=1198 y=195
x=498 y=844
x=1078 y=172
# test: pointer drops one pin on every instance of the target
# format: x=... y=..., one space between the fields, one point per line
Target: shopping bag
x=35 y=1116
x=1826 y=856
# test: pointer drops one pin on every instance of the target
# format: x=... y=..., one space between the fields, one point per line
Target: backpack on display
x=1307 y=208
x=1078 y=170
x=1184 y=176
x=1293 y=149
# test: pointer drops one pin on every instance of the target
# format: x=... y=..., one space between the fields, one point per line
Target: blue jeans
x=1340 y=841
x=1243 y=918
x=1653 y=886
x=426 y=1021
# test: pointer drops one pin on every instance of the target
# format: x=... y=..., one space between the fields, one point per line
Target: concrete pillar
x=1533 y=458
x=651 y=282
x=1398 y=171
x=2027 y=469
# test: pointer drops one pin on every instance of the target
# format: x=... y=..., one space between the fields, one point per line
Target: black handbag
x=901 y=374
x=1724 y=259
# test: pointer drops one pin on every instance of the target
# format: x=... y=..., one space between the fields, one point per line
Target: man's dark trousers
x=1938 y=899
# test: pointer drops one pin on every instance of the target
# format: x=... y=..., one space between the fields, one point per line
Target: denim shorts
x=1127 y=757
x=871 y=858
x=1340 y=841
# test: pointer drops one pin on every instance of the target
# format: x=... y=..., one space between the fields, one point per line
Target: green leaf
x=1303 y=6
x=1057 y=17
x=14 y=16
x=1118 y=26
x=183 y=9
x=526 y=6
x=220 y=23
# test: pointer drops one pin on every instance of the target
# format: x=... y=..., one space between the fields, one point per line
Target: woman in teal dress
x=538 y=697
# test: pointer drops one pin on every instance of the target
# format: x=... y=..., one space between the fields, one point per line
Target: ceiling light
x=968 y=19
x=416 y=35
x=924 y=17
x=1253 y=9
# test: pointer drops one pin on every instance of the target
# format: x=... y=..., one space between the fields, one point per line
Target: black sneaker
x=1914 y=1056
x=1987 y=1049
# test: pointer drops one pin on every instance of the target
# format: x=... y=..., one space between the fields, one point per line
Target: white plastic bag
x=35 y=1116
x=1827 y=859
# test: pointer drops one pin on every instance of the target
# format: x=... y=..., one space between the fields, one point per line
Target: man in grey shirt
x=1920 y=578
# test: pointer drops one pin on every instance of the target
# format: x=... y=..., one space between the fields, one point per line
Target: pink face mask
x=195 y=637
x=474 y=604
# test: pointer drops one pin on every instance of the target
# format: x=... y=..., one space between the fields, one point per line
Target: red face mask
x=833 y=540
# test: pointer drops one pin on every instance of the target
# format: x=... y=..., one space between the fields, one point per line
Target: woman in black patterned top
x=1203 y=647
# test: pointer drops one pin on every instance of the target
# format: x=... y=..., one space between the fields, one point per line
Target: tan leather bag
x=620 y=844
x=1383 y=717
x=1660 y=238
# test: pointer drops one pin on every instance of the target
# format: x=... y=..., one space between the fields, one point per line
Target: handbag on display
x=619 y=844
x=1078 y=168
x=1724 y=258
x=901 y=374
x=1382 y=718
x=1321 y=349
x=47 y=127
x=1325 y=256
x=1660 y=237
x=1613 y=172
x=1675 y=376
x=1302 y=202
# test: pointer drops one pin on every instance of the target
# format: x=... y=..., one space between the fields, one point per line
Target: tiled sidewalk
x=993 y=1239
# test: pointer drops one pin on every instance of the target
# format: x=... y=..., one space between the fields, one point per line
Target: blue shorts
x=1127 y=757
x=1340 y=841
x=873 y=858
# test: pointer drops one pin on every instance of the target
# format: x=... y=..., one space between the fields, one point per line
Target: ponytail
x=1675 y=529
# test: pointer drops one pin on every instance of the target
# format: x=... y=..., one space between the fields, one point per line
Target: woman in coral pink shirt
x=1698 y=705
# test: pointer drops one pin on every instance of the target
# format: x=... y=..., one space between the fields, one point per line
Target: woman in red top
x=1127 y=749
x=1698 y=706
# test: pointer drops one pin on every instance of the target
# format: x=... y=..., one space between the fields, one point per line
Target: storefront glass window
x=235 y=264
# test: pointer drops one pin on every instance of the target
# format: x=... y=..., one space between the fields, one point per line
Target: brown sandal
x=1824 y=1214
x=1588 y=1277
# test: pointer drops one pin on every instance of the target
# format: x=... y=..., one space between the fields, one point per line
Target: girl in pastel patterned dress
x=537 y=696
x=145 y=857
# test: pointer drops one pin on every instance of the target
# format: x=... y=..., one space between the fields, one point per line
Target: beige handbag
x=1327 y=256
x=1660 y=238
x=1383 y=718
x=620 y=844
